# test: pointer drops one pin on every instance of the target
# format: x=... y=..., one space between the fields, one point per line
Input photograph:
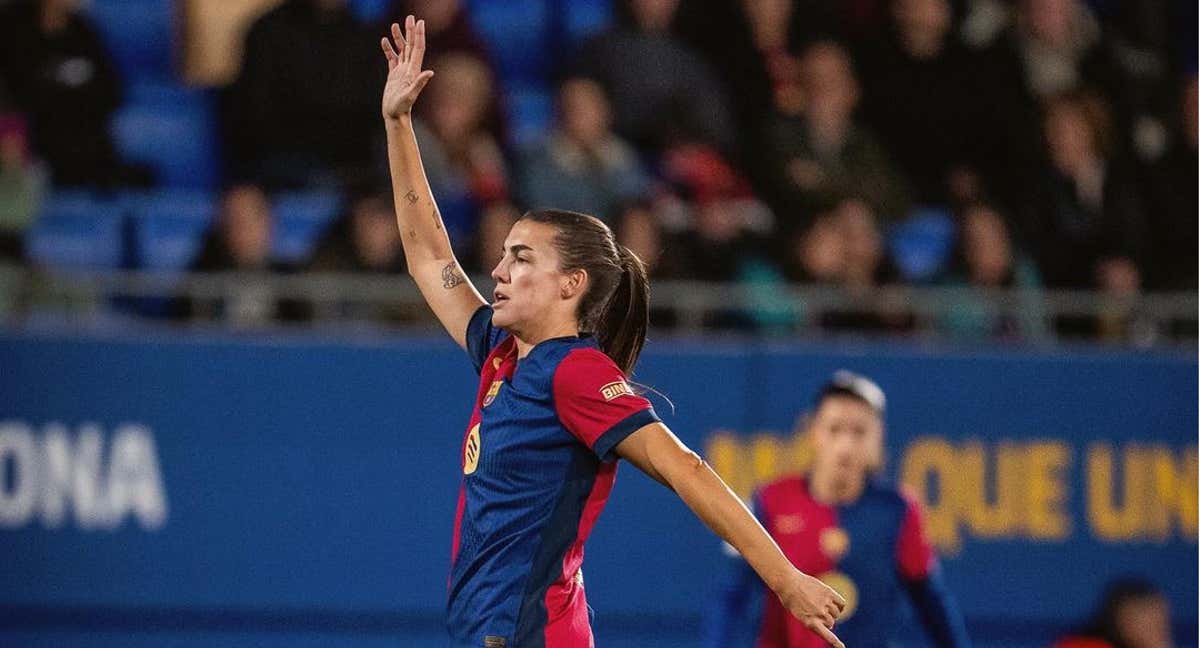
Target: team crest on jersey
x=835 y=543
x=788 y=523
x=471 y=451
x=842 y=584
x=491 y=392
x=615 y=390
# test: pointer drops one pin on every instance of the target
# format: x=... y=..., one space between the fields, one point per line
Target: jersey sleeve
x=915 y=557
x=482 y=336
x=596 y=404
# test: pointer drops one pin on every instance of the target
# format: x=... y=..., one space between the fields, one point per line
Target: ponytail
x=621 y=328
x=616 y=306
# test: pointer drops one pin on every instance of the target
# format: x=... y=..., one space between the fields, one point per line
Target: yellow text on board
x=1009 y=489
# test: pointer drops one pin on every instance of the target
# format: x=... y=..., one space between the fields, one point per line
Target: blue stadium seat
x=517 y=33
x=530 y=113
x=169 y=227
x=76 y=231
x=140 y=35
x=369 y=11
x=583 y=18
x=921 y=245
x=300 y=219
x=174 y=131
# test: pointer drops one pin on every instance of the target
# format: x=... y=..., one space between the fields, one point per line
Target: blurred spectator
x=465 y=166
x=1132 y=614
x=751 y=44
x=662 y=92
x=1173 y=216
x=240 y=242
x=1058 y=46
x=63 y=80
x=366 y=240
x=448 y=27
x=1057 y=42
x=820 y=155
x=19 y=186
x=305 y=108
x=641 y=232
x=1090 y=226
x=921 y=100
x=986 y=259
x=725 y=223
x=718 y=228
x=448 y=30
x=211 y=34
x=818 y=253
x=582 y=166
x=844 y=248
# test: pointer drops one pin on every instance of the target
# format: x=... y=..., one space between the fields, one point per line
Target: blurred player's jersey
x=538 y=466
x=874 y=552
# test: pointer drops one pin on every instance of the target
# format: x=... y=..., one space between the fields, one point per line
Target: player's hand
x=815 y=604
x=405 y=78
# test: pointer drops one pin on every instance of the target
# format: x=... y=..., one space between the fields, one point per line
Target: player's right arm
x=431 y=261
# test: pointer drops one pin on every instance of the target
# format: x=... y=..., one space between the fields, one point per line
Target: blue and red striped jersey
x=538 y=466
x=873 y=551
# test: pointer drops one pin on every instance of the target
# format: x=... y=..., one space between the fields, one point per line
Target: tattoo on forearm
x=411 y=197
x=451 y=276
x=437 y=218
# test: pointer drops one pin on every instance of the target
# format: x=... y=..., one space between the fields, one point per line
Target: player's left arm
x=655 y=450
x=596 y=404
x=922 y=577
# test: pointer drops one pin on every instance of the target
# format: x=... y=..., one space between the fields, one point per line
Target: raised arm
x=430 y=258
x=662 y=456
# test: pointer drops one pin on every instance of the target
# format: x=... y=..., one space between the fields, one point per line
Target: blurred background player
x=860 y=535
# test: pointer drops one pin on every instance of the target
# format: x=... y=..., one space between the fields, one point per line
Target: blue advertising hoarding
x=298 y=489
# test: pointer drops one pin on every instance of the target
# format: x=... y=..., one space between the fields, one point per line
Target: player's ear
x=573 y=283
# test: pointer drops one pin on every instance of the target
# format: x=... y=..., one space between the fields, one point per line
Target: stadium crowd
x=840 y=143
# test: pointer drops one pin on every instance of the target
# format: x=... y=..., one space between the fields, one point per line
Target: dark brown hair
x=616 y=306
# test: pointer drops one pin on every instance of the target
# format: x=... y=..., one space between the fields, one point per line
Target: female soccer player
x=554 y=411
x=859 y=535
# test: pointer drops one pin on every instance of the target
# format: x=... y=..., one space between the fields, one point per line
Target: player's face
x=847 y=438
x=528 y=281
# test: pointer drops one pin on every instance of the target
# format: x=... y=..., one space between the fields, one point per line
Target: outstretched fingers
x=401 y=44
x=410 y=36
x=418 y=55
x=392 y=57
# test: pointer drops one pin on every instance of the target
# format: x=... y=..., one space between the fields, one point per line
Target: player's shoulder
x=580 y=356
x=564 y=360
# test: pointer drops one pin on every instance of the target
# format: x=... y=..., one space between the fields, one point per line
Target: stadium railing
x=1035 y=316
